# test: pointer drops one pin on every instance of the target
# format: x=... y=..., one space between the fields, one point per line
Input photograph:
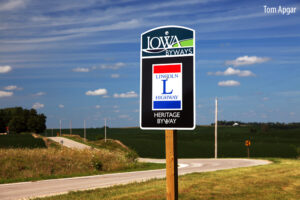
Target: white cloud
x=38 y=105
x=12 y=87
x=292 y=114
x=5 y=94
x=5 y=69
x=44 y=39
x=130 y=94
x=61 y=106
x=199 y=106
x=264 y=116
x=265 y=99
x=289 y=93
x=115 y=75
x=11 y=5
x=40 y=94
x=231 y=71
x=113 y=66
x=230 y=98
x=246 y=60
x=130 y=24
x=81 y=69
x=97 y=106
x=123 y=116
x=228 y=83
x=101 y=91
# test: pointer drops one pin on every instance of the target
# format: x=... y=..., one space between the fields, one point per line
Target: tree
x=22 y=120
x=17 y=124
x=2 y=126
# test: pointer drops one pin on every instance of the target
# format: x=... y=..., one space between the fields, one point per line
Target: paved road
x=69 y=143
x=27 y=190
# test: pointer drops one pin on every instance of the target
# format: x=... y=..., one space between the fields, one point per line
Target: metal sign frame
x=169 y=56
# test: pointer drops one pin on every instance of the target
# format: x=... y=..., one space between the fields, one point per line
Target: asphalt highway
x=26 y=190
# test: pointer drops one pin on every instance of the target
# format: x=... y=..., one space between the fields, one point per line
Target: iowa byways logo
x=168 y=41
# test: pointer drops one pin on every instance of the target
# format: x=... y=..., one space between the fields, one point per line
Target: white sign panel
x=167 y=86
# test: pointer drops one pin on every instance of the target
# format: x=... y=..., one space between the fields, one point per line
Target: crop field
x=21 y=141
x=283 y=143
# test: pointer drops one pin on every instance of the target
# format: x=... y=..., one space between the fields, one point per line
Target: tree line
x=19 y=120
x=276 y=125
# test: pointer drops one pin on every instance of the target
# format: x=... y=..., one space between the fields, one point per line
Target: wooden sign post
x=171 y=164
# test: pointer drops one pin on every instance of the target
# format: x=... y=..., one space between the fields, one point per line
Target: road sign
x=247 y=143
x=167 y=78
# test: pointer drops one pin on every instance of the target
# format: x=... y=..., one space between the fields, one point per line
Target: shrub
x=97 y=163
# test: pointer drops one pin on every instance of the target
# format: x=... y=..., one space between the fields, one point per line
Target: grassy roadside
x=55 y=161
x=109 y=144
x=39 y=164
x=280 y=180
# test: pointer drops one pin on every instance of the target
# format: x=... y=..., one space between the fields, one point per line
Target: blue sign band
x=166 y=104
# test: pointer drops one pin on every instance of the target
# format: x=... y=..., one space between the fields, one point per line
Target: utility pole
x=84 y=131
x=70 y=127
x=216 y=129
x=105 y=129
x=59 y=127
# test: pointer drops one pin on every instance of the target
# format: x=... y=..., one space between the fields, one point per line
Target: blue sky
x=76 y=60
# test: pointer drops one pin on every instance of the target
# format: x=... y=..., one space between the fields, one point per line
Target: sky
x=80 y=60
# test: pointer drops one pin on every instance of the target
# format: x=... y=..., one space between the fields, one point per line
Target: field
x=21 y=141
x=283 y=143
x=280 y=180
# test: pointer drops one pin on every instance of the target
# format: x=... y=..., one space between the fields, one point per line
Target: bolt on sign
x=167 y=78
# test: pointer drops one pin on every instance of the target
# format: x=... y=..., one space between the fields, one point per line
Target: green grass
x=35 y=163
x=284 y=143
x=277 y=181
x=39 y=164
x=21 y=141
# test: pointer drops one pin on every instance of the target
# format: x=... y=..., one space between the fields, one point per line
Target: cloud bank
x=98 y=92
x=229 y=83
x=81 y=69
x=5 y=69
x=38 y=105
x=12 y=87
x=113 y=66
x=246 y=60
x=5 y=94
x=130 y=94
x=231 y=71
